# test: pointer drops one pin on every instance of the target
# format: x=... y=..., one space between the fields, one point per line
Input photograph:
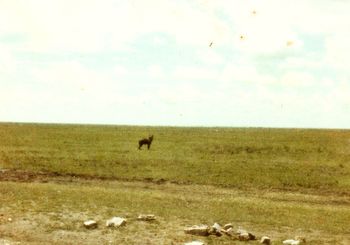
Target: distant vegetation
x=229 y=157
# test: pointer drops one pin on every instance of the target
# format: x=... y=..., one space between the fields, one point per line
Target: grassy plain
x=277 y=182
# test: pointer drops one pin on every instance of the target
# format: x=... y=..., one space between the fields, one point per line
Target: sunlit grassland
x=275 y=182
x=231 y=157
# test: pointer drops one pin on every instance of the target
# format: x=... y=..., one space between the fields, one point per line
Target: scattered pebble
x=90 y=224
x=244 y=235
x=227 y=226
x=216 y=230
x=265 y=240
x=116 y=222
x=228 y=232
x=291 y=242
x=199 y=230
x=298 y=240
x=146 y=217
x=195 y=243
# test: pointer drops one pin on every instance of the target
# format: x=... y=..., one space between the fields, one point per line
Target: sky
x=235 y=63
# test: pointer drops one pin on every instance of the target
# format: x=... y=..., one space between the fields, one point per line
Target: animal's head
x=151 y=138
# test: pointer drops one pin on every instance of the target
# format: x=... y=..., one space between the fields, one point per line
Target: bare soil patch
x=17 y=175
x=64 y=225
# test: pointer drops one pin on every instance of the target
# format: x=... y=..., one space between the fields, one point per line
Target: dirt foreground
x=22 y=223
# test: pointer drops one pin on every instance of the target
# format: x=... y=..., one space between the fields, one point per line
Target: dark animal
x=145 y=141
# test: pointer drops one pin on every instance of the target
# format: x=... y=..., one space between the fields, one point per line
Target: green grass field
x=277 y=182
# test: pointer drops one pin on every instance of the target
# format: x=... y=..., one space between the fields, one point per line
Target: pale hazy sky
x=266 y=63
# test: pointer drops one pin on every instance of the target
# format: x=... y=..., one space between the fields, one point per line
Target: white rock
x=265 y=240
x=251 y=236
x=291 y=242
x=90 y=224
x=195 y=243
x=216 y=230
x=241 y=231
x=229 y=232
x=146 y=217
x=216 y=226
x=116 y=222
x=199 y=230
x=244 y=235
x=228 y=226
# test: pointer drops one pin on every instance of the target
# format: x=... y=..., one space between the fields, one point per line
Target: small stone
x=243 y=235
x=146 y=217
x=241 y=231
x=291 y=242
x=90 y=224
x=216 y=226
x=228 y=226
x=215 y=230
x=199 y=230
x=195 y=243
x=115 y=222
x=265 y=240
x=228 y=232
x=251 y=236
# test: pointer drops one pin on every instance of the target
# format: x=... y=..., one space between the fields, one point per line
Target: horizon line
x=167 y=125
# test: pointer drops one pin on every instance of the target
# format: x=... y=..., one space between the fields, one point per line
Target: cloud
x=305 y=62
x=93 y=57
x=188 y=73
x=120 y=71
x=244 y=72
x=298 y=79
x=87 y=26
x=92 y=26
x=209 y=56
x=155 y=71
x=337 y=51
x=73 y=83
x=8 y=63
